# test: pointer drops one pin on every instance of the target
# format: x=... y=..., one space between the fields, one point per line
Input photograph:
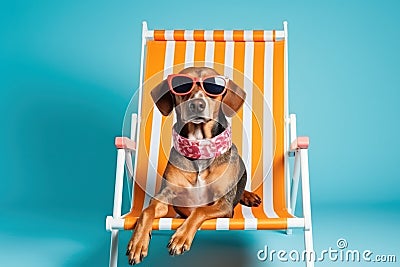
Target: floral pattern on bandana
x=204 y=148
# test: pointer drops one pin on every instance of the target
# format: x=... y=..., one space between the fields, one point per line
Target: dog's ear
x=233 y=99
x=162 y=97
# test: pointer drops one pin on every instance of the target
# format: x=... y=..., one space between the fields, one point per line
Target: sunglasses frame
x=195 y=80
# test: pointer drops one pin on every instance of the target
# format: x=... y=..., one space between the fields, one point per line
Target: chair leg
x=308 y=241
x=119 y=182
x=305 y=178
x=114 y=249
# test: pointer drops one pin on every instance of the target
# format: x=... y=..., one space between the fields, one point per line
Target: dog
x=203 y=182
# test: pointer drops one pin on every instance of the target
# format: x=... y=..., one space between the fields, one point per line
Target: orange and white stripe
x=255 y=61
x=215 y=35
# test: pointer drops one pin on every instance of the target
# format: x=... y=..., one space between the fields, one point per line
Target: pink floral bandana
x=204 y=148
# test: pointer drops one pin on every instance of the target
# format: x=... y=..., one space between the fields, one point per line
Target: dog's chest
x=200 y=181
x=202 y=191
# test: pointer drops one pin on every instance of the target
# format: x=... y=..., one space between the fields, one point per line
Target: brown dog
x=200 y=184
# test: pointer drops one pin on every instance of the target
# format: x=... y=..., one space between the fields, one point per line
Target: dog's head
x=199 y=105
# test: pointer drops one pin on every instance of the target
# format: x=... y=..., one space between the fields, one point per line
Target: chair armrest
x=125 y=143
x=301 y=142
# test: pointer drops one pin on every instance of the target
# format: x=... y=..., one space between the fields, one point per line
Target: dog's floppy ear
x=233 y=99
x=162 y=97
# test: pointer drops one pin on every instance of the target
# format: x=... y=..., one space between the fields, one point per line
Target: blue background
x=67 y=73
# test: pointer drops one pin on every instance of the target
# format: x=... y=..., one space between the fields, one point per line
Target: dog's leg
x=182 y=239
x=250 y=199
x=139 y=243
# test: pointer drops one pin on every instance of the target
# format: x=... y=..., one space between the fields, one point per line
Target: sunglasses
x=183 y=84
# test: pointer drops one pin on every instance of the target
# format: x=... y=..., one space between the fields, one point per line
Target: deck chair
x=263 y=131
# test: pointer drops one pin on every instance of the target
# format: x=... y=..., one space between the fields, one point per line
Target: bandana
x=203 y=148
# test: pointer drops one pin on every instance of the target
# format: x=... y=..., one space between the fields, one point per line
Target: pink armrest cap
x=301 y=142
x=125 y=143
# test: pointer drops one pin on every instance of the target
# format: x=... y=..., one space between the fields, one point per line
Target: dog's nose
x=197 y=105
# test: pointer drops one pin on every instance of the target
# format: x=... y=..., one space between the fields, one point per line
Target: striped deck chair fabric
x=256 y=60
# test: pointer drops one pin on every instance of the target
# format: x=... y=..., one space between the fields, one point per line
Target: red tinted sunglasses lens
x=214 y=85
x=181 y=84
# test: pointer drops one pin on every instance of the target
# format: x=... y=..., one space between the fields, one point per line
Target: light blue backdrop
x=68 y=70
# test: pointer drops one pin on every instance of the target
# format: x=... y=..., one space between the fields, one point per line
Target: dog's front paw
x=250 y=199
x=137 y=248
x=180 y=242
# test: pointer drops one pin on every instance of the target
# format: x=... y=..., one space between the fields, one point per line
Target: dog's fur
x=198 y=189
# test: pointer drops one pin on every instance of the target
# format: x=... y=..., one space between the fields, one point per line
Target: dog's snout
x=197 y=105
